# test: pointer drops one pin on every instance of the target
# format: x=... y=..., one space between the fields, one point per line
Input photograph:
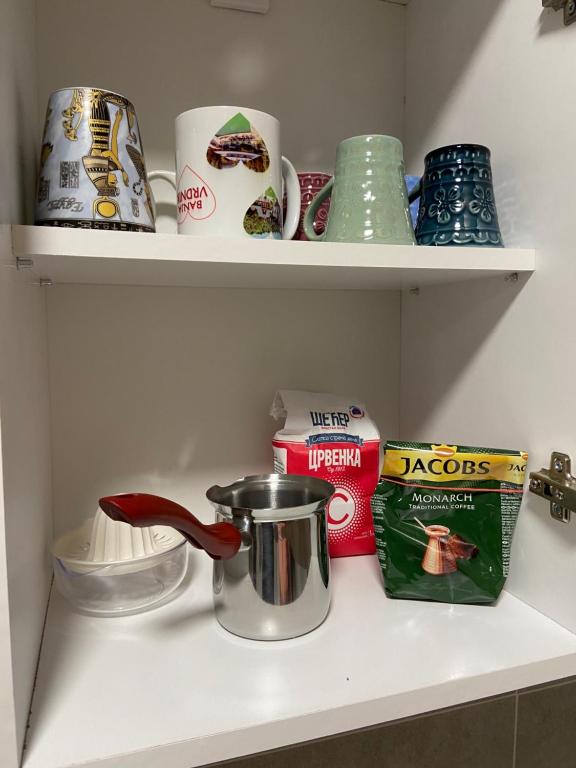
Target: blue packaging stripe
x=333 y=437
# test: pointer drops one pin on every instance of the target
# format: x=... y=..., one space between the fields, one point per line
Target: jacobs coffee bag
x=444 y=516
x=333 y=438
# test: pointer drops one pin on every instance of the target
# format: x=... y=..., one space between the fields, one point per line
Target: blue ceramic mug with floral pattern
x=457 y=204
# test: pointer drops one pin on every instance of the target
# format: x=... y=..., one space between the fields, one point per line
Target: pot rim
x=321 y=491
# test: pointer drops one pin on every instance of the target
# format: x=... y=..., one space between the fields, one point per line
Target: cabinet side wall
x=8 y=739
x=26 y=475
x=489 y=363
x=25 y=472
x=24 y=410
x=327 y=69
x=18 y=116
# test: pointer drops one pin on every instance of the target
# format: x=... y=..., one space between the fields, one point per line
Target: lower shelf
x=171 y=688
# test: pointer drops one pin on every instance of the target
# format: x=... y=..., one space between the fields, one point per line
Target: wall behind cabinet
x=327 y=69
x=492 y=363
x=168 y=390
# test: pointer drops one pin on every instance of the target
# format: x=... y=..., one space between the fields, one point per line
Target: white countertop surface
x=171 y=688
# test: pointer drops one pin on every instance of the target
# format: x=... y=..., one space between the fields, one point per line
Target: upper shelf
x=171 y=688
x=131 y=258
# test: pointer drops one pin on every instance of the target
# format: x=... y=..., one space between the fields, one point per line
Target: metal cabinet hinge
x=569 y=7
x=556 y=485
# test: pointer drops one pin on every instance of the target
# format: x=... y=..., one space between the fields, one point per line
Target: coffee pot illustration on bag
x=444 y=549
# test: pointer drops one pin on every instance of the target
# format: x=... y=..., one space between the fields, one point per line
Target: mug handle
x=415 y=192
x=168 y=176
x=293 y=199
x=293 y=194
x=308 y=223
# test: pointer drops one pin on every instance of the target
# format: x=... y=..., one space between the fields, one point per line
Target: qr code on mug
x=69 y=174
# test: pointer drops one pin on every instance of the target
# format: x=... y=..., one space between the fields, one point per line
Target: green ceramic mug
x=369 y=199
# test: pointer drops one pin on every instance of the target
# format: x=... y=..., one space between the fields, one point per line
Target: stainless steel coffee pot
x=278 y=584
x=269 y=544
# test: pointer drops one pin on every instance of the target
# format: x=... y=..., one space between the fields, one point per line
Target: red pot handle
x=220 y=540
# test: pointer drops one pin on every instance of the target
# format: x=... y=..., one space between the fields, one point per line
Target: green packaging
x=444 y=516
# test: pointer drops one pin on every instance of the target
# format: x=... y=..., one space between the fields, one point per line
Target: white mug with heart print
x=229 y=175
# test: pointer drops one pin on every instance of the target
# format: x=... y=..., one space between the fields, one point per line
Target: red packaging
x=333 y=438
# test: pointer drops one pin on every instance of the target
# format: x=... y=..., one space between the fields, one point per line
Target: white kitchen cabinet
x=151 y=362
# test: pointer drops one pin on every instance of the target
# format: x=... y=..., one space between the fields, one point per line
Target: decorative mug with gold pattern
x=92 y=172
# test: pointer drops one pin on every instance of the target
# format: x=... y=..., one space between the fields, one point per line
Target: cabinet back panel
x=326 y=69
x=168 y=389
